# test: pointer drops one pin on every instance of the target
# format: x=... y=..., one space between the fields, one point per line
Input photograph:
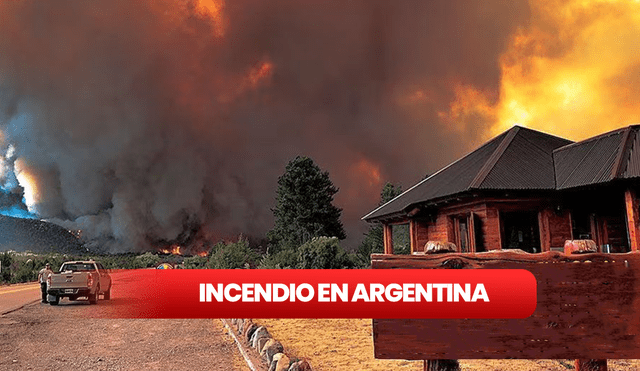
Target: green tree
x=304 y=207
x=147 y=260
x=5 y=260
x=321 y=253
x=232 y=255
x=373 y=242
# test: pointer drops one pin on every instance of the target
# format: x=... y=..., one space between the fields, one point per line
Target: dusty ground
x=44 y=337
x=346 y=344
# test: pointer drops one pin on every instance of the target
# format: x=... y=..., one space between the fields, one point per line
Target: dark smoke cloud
x=141 y=124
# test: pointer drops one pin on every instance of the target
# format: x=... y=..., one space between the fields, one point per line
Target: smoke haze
x=145 y=123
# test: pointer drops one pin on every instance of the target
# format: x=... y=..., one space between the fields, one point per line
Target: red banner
x=406 y=293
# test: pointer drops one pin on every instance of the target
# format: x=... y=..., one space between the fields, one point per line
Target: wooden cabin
x=527 y=190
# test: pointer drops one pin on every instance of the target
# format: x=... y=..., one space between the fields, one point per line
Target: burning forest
x=161 y=125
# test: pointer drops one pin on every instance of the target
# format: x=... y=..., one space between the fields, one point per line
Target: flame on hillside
x=173 y=250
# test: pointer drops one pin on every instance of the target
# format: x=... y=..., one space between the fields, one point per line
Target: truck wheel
x=107 y=294
x=93 y=299
x=55 y=301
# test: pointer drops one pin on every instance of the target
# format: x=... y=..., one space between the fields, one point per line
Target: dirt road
x=44 y=337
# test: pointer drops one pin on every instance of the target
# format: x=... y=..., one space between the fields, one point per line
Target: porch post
x=586 y=364
x=413 y=233
x=387 y=232
x=543 y=227
x=631 y=205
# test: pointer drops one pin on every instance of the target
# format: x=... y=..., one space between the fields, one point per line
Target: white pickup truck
x=79 y=279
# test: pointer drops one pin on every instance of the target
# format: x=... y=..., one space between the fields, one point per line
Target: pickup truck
x=79 y=279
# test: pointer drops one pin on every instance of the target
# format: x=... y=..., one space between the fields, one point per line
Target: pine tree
x=304 y=207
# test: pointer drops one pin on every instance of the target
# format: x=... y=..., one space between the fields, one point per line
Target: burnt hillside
x=35 y=235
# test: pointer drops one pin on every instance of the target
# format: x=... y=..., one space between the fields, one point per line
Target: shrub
x=195 y=262
x=232 y=255
x=322 y=253
x=284 y=259
x=146 y=260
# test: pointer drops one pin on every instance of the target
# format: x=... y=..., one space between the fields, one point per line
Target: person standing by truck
x=42 y=278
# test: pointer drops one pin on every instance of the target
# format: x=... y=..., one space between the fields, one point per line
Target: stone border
x=271 y=351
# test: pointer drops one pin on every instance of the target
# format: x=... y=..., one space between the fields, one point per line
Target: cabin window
x=467 y=230
x=521 y=231
x=581 y=223
x=463 y=233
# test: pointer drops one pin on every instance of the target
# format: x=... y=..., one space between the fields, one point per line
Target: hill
x=36 y=235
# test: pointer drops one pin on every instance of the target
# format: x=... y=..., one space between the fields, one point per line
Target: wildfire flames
x=178 y=250
x=143 y=123
x=29 y=183
x=174 y=250
x=574 y=71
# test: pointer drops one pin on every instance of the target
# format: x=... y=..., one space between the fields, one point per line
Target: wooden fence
x=588 y=308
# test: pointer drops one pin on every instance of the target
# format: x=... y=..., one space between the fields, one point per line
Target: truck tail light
x=90 y=281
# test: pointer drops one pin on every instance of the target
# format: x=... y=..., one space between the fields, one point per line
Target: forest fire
x=573 y=71
x=173 y=250
x=180 y=250
x=167 y=113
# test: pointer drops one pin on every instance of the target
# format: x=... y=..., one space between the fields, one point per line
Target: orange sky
x=573 y=71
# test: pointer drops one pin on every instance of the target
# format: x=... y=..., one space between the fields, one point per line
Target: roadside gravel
x=44 y=337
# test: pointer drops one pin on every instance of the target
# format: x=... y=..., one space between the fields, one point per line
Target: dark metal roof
x=633 y=160
x=519 y=158
x=527 y=163
x=609 y=156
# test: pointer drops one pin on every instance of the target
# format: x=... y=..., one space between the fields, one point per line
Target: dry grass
x=346 y=344
x=332 y=344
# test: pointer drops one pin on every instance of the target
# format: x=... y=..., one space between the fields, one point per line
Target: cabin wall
x=422 y=234
x=442 y=226
x=491 y=229
x=605 y=216
x=560 y=228
x=555 y=228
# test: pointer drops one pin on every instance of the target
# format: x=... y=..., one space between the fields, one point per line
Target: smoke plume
x=145 y=123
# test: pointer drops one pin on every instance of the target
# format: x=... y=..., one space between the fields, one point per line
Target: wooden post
x=583 y=247
x=472 y=232
x=413 y=233
x=631 y=205
x=387 y=232
x=543 y=226
x=441 y=364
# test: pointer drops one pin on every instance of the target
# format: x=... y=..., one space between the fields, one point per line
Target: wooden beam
x=543 y=226
x=413 y=235
x=471 y=231
x=593 y=222
x=441 y=365
x=387 y=231
x=631 y=205
x=591 y=365
x=587 y=364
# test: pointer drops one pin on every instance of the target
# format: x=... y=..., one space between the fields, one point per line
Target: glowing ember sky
x=160 y=122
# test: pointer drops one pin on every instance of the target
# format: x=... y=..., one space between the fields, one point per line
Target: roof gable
x=603 y=158
x=519 y=158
